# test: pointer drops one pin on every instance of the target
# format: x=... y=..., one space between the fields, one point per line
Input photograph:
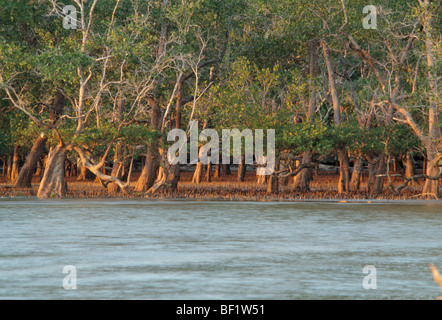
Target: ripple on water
x=131 y=249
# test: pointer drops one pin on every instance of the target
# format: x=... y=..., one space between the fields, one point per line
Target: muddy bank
x=323 y=188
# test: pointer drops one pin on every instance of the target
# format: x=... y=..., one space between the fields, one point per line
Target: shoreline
x=282 y=201
x=214 y=195
x=226 y=188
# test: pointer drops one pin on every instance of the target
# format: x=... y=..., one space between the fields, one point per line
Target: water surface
x=140 y=249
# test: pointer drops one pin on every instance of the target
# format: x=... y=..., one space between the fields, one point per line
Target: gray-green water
x=133 y=249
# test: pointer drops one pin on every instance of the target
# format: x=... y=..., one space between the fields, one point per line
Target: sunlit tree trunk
x=430 y=138
x=217 y=173
x=303 y=179
x=381 y=168
x=117 y=171
x=149 y=172
x=433 y=170
x=152 y=162
x=344 y=174
x=174 y=175
x=344 y=171
x=409 y=166
x=434 y=154
x=262 y=179
x=198 y=173
x=208 y=172
x=118 y=163
x=15 y=163
x=24 y=179
x=53 y=183
x=356 y=174
x=85 y=174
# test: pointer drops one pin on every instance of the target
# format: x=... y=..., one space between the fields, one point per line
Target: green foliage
x=263 y=82
x=4 y=143
x=245 y=99
x=306 y=136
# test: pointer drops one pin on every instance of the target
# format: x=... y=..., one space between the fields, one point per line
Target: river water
x=142 y=249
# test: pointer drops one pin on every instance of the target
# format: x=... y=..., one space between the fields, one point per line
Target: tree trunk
x=53 y=183
x=67 y=168
x=117 y=171
x=199 y=170
x=434 y=132
x=217 y=173
x=198 y=174
x=262 y=179
x=85 y=174
x=409 y=165
x=381 y=169
x=273 y=185
x=303 y=178
x=4 y=166
x=40 y=169
x=242 y=169
x=273 y=182
x=394 y=170
x=15 y=164
x=344 y=175
x=168 y=176
x=371 y=176
x=24 y=179
x=9 y=170
x=152 y=163
x=284 y=181
x=118 y=166
x=355 y=181
x=431 y=187
x=209 y=172
x=175 y=170
x=344 y=171
x=174 y=176
x=226 y=169
x=73 y=169
x=149 y=173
